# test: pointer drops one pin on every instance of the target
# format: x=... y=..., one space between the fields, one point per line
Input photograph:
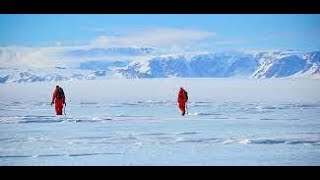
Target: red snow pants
x=182 y=106
x=58 y=106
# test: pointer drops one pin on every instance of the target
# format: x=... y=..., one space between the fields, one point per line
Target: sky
x=193 y=31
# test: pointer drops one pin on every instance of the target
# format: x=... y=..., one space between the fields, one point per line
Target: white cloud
x=19 y=57
x=166 y=40
x=103 y=41
x=58 y=43
x=158 y=37
x=31 y=57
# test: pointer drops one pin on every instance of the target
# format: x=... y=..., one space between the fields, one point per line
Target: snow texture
x=137 y=122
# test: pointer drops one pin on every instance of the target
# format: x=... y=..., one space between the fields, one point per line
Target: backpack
x=60 y=93
x=186 y=95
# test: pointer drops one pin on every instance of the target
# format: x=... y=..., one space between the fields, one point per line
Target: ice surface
x=137 y=122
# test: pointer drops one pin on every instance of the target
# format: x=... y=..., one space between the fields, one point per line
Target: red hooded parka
x=182 y=99
x=58 y=102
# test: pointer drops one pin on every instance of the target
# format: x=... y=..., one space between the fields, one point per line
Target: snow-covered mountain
x=245 y=64
x=38 y=75
x=285 y=64
x=228 y=64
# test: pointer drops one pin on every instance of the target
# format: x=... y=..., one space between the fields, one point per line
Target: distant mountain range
x=228 y=64
x=239 y=64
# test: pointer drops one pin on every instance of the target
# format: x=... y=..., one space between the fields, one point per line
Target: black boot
x=183 y=113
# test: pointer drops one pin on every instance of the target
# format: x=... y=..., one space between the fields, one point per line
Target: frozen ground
x=137 y=122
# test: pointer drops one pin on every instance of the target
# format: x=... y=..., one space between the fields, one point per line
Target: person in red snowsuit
x=58 y=99
x=182 y=99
